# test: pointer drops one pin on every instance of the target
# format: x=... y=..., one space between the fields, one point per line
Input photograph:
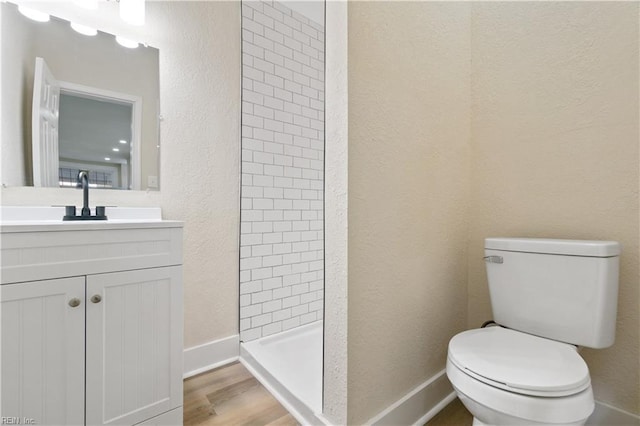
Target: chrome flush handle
x=493 y=259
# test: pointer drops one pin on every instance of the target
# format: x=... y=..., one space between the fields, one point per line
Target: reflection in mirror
x=83 y=103
x=95 y=135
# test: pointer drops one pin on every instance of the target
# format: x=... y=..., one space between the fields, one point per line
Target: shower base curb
x=296 y=408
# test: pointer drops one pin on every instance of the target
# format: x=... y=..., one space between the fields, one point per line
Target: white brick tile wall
x=271 y=328
x=282 y=258
x=286 y=324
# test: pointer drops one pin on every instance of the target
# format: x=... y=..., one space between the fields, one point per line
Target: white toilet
x=548 y=297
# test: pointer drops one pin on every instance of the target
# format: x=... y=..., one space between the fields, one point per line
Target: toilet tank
x=565 y=290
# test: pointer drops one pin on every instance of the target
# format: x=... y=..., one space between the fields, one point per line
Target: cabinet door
x=134 y=345
x=43 y=351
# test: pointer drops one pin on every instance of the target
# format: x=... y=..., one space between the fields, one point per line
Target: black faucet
x=83 y=182
x=85 y=213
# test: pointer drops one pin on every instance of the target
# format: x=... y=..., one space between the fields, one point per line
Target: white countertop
x=43 y=219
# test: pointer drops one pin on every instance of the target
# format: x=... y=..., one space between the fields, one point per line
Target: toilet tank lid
x=591 y=248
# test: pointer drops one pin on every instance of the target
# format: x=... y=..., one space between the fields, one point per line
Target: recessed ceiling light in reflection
x=107 y=158
x=33 y=14
x=83 y=29
x=122 y=141
x=115 y=149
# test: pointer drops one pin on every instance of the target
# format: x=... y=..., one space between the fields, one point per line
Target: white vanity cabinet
x=132 y=339
x=92 y=322
x=43 y=351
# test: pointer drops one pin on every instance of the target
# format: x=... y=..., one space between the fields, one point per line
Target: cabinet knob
x=74 y=302
x=96 y=298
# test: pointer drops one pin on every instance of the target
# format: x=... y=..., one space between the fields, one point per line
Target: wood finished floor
x=230 y=395
x=453 y=414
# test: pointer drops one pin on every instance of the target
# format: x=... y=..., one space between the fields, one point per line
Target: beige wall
x=491 y=119
x=200 y=164
x=409 y=92
x=555 y=150
x=199 y=45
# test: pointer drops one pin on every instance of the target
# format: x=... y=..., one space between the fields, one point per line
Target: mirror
x=84 y=103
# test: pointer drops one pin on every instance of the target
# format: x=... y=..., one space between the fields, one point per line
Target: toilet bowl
x=505 y=377
x=547 y=296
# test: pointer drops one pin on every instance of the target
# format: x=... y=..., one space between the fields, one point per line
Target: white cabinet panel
x=170 y=418
x=30 y=256
x=43 y=351
x=134 y=345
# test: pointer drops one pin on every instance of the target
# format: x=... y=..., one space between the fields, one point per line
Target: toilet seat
x=519 y=362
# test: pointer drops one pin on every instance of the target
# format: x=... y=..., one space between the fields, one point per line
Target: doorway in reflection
x=95 y=135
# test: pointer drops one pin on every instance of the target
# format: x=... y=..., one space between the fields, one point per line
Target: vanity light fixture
x=132 y=11
x=83 y=29
x=125 y=42
x=33 y=14
x=87 y=4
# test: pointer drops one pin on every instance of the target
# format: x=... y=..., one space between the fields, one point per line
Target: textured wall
x=336 y=226
x=544 y=143
x=555 y=150
x=199 y=45
x=409 y=93
x=281 y=242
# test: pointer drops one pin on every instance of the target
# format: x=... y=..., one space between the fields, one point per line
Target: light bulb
x=125 y=42
x=33 y=14
x=87 y=4
x=83 y=29
x=132 y=11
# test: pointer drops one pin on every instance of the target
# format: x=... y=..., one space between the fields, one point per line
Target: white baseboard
x=428 y=399
x=607 y=415
x=419 y=405
x=208 y=356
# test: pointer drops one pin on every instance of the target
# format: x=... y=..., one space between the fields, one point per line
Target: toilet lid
x=519 y=362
